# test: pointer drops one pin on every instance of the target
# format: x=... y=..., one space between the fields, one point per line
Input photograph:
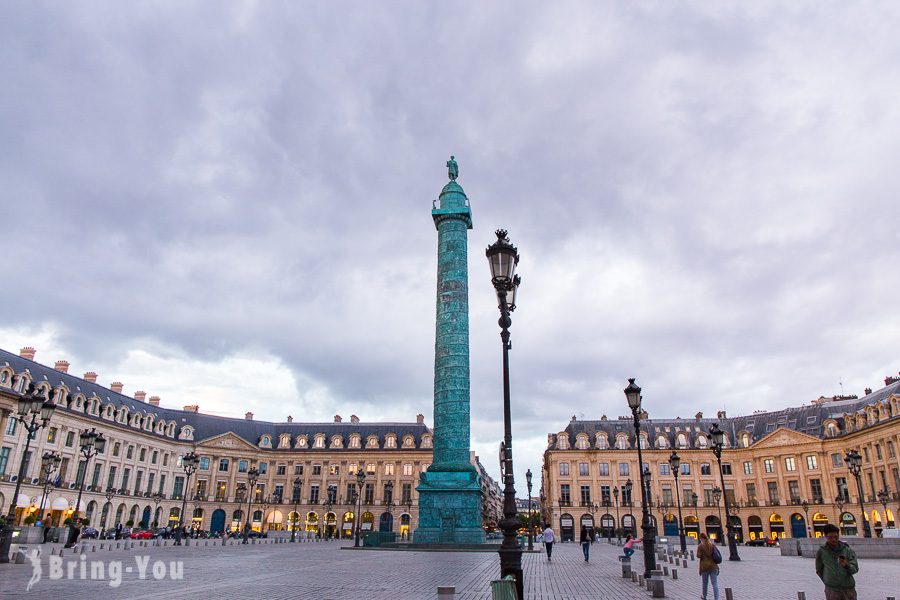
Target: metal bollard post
x=626 y=567
x=729 y=594
x=674 y=574
x=692 y=555
x=665 y=570
x=634 y=577
x=801 y=595
x=446 y=592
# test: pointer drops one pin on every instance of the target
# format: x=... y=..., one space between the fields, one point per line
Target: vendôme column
x=450 y=492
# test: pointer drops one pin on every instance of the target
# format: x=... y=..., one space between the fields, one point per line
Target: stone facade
x=773 y=461
x=145 y=442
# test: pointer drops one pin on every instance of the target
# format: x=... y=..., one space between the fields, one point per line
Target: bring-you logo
x=80 y=568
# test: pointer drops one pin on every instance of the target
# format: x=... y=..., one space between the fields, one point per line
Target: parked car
x=769 y=542
x=142 y=534
x=89 y=532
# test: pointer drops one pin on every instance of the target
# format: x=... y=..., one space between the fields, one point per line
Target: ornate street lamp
x=805 y=506
x=50 y=462
x=617 y=528
x=675 y=463
x=854 y=463
x=298 y=483
x=91 y=444
x=189 y=464
x=633 y=395
x=717 y=498
x=252 y=478
x=884 y=496
x=110 y=494
x=389 y=496
x=718 y=438
x=360 y=481
x=503 y=258
x=157 y=498
x=31 y=408
x=530 y=513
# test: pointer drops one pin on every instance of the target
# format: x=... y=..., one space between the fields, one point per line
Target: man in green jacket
x=835 y=566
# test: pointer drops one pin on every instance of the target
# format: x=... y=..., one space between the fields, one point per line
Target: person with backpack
x=835 y=565
x=548 y=540
x=710 y=559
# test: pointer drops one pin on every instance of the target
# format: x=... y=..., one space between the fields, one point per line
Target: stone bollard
x=626 y=567
x=117 y=546
x=665 y=570
x=674 y=574
x=640 y=580
x=206 y=543
x=446 y=592
x=801 y=595
x=729 y=594
x=684 y=563
x=692 y=555
x=658 y=588
x=93 y=548
x=634 y=577
x=101 y=545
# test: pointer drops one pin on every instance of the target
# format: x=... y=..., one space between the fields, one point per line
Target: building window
x=751 y=494
x=143 y=455
x=314 y=493
x=685 y=468
x=769 y=465
x=564 y=468
x=70 y=440
x=204 y=463
x=704 y=469
x=865 y=454
x=842 y=490
x=4 y=460
x=890 y=449
x=223 y=465
x=407 y=469
x=794 y=491
x=317 y=469
x=836 y=460
x=565 y=494
x=664 y=468
x=773 y=493
x=11 y=426
x=388 y=468
x=811 y=463
x=877 y=451
x=243 y=465
x=369 y=491
x=605 y=494
x=263 y=468
x=748 y=468
x=51 y=435
x=406 y=498
x=155 y=456
x=126 y=473
x=583 y=469
x=667 y=496
x=789 y=464
x=165 y=459
x=370 y=469
x=726 y=468
x=604 y=469
x=129 y=453
x=281 y=469
x=585 y=495
x=178 y=488
x=815 y=486
x=298 y=469
x=623 y=468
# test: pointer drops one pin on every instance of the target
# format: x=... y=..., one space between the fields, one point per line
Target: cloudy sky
x=228 y=203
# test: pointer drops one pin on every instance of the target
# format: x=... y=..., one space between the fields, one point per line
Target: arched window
x=409 y=441
x=426 y=441
x=622 y=442
x=319 y=441
x=302 y=441
x=602 y=441
x=354 y=440
x=702 y=441
x=337 y=441
x=390 y=440
x=562 y=441
x=681 y=440
x=372 y=441
x=581 y=441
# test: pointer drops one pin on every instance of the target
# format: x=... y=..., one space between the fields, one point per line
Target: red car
x=142 y=534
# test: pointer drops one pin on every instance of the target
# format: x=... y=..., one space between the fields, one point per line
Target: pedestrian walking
x=628 y=548
x=549 y=538
x=710 y=558
x=585 y=539
x=835 y=566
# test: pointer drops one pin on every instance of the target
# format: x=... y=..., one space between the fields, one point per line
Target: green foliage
x=129 y=523
x=29 y=520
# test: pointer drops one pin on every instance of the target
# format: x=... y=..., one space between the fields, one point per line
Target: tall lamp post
x=296 y=499
x=34 y=412
x=50 y=462
x=503 y=258
x=360 y=481
x=805 y=506
x=530 y=513
x=718 y=438
x=839 y=502
x=675 y=463
x=854 y=463
x=189 y=464
x=91 y=444
x=633 y=395
x=617 y=528
x=252 y=478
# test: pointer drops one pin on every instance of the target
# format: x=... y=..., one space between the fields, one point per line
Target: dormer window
x=319 y=441
x=409 y=441
x=354 y=440
x=265 y=442
x=702 y=441
x=390 y=441
x=302 y=441
x=337 y=441
x=372 y=441
x=5 y=377
x=662 y=442
x=187 y=433
x=426 y=441
x=602 y=441
x=284 y=441
x=681 y=441
x=581 y=441
x=562 y=441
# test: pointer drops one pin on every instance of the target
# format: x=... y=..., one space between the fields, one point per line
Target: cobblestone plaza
x=332 y=571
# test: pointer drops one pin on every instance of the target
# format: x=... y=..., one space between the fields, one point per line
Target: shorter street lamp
x=530 y=513
x=157 y=498
x=717 y=497
x=675 y=463
x=360 y=481
x=91 y=444
x=189 y=464
x=50 y=462
x=296 y=499
x=252 y=478
x=854 y=463
x=110 y=494
x=617 y=528
x=389 y=496
x=805 y=506
x=884 y=497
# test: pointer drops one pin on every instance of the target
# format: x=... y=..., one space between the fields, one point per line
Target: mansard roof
x=208 y=426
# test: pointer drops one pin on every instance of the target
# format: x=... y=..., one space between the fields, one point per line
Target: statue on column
x=452 y=169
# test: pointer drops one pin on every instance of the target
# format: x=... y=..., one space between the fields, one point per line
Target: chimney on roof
x=117 y=386
x=290 y=419
x=354 y=419
x=140 y=396
x=602 y=417
x=62 y=366
x=891 y=379
x=720 y=414
x=90 y=376
x=420 y=419
x=337 y=418
x=27 y=352
x=867 y=391
x=573 y=418
x=249 y=416
x=194 y=408
x=698 y=416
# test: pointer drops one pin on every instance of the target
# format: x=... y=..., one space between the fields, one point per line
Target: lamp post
x=884 y=497
x=50 y=462
x=91 y=444
x=389 y=496
x=110 y=494
x=805 y=506
x=34 y=412
x=530 y=513
x=157 y=498
x=718 y=438
x=189 y=464
x=360 y=481
x=854 y=463
x=298 y=483
x=633 y=395
x=617 y=528
x=266 y=502
x=675 y=463
x=717 y=498
x=503 y=258
x=252 y=478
